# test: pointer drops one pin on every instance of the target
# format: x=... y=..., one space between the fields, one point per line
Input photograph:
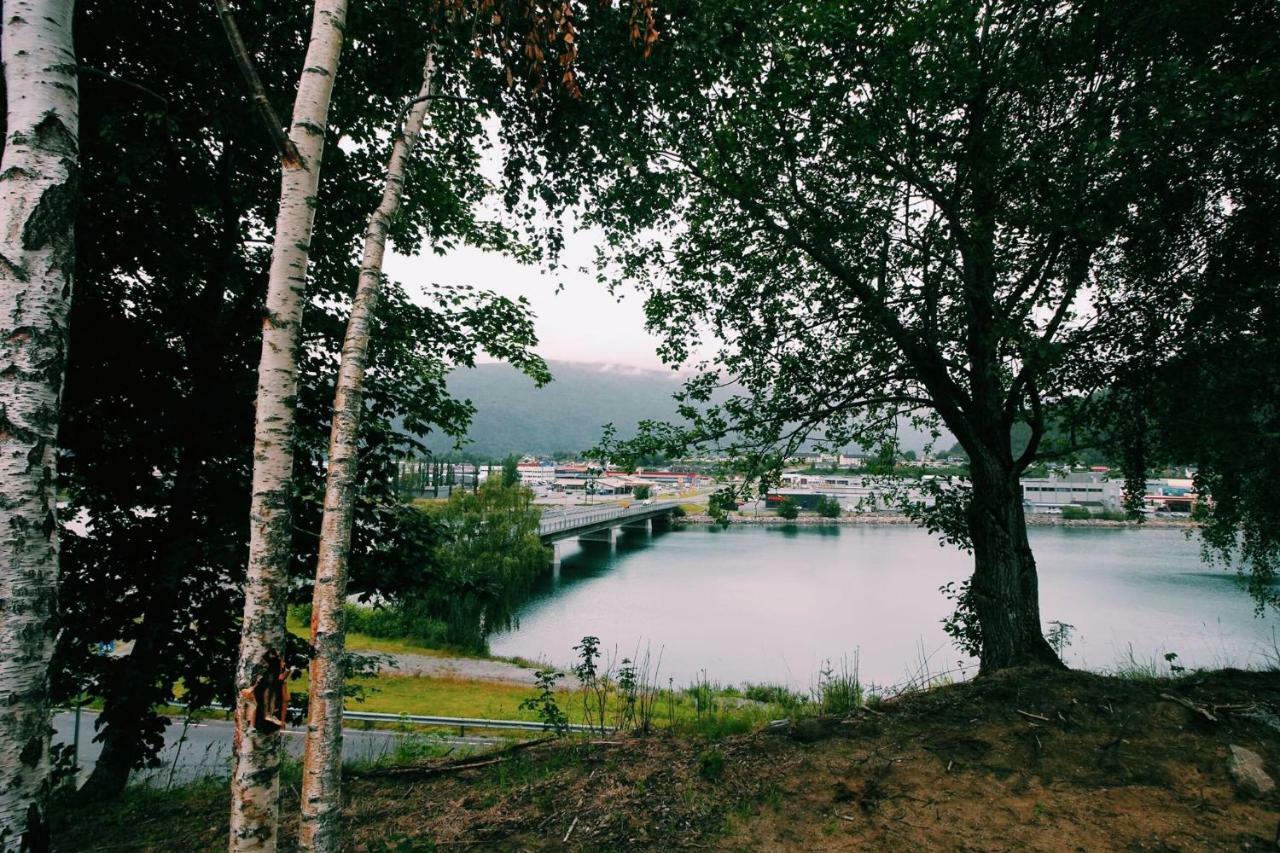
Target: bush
x=400 y=621
x=829 y=507
x=1079 y=513
x=788 y=509
x=773 y=694
x=642 y=493
x=711 y=764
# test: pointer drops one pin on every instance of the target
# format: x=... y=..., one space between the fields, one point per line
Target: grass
x=708 y=711
x=442 y=697
x=359 y=642
x=1107 y=764
x=1132 y=668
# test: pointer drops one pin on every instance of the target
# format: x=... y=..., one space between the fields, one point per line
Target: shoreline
x=875 y=519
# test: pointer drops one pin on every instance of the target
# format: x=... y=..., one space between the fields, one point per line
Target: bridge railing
x=566 y=520
x=579 y=519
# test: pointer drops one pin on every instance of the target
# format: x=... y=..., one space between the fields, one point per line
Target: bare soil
x=1022 y=761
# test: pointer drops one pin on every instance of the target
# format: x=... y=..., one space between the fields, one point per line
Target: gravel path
x=469 y=668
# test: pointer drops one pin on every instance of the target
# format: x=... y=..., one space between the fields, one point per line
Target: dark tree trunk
x=1005 y=589
x=129 y=713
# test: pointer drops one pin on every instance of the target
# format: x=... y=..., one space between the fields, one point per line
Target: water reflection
x=772 y=604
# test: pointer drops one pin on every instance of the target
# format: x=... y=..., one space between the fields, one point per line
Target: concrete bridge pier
x=608 y=534
x=644 y=525
x=555 y=561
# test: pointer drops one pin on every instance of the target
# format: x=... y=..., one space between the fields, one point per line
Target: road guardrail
x=461 y=722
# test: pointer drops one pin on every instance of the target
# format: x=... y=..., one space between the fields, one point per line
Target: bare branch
x=288 y=151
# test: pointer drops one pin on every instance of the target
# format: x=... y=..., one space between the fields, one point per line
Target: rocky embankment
x=874 y=518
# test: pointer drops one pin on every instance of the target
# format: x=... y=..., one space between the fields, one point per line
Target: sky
x=582 y=322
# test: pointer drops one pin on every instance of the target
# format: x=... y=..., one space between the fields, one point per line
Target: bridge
x=600 y=524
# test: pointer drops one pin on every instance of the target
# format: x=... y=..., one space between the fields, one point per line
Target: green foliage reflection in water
x=484 y=557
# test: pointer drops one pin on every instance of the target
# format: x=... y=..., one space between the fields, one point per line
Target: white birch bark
x=260 y=685
x=322 y=764
x=38 y=196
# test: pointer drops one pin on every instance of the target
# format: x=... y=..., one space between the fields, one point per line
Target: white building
x=1088 y=489
x=536 y=473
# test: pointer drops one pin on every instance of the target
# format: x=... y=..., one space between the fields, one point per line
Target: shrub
x=829 y=507
x=773 y=694
x=788 y=509
x=544 y=702
x=711 y=764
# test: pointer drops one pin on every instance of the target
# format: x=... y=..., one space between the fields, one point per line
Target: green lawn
x=443 y=697
x=365 y=643
x=449 y=697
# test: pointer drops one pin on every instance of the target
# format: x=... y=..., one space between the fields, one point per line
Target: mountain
x=565 y=417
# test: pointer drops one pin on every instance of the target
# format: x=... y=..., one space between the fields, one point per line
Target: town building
x=1091 y=490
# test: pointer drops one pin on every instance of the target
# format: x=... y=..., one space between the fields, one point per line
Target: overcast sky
x=582 y=322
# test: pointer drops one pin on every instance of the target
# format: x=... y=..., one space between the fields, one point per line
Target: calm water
x=772 y=604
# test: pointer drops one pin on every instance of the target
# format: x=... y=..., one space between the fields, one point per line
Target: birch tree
x=321 y=772
x=261 y=696
x=157 y=412
x=38 y=195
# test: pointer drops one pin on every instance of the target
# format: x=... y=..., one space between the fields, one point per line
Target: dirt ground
x=1023 y=761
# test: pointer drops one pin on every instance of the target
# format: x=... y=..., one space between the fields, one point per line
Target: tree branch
x=946 y=394
x=275 y=128
x=98 y=72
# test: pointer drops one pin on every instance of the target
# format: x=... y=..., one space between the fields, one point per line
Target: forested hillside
x=564 y=417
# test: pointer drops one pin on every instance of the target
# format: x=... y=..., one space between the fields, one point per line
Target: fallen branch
x=1034 y=716
x=1191 y=706
x=427 y=771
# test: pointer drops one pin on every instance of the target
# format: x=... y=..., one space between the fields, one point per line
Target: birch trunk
x=322 y=763
x=38 y=196
x=260 y=674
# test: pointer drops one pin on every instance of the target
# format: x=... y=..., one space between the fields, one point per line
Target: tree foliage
x=180 y=186
x=788 y=509
x=486 y=556
x=950 y=212
x=828 y=507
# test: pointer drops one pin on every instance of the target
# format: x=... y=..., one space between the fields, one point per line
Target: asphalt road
x=205 y=747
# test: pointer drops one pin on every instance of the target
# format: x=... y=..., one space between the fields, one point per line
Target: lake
x=774 y=604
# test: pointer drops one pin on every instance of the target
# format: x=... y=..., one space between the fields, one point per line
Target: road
x=206 y=749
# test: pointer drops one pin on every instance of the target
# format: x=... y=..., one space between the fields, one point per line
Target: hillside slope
x=562 y=418
x=1020 y=761
x=566 y=416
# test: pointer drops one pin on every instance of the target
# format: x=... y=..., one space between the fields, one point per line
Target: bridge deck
x=566 y=524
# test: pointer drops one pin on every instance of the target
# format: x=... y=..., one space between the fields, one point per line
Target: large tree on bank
x=38 y=197
x=883 y=210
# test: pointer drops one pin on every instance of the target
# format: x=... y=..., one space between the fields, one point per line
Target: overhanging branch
x=275 y=128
